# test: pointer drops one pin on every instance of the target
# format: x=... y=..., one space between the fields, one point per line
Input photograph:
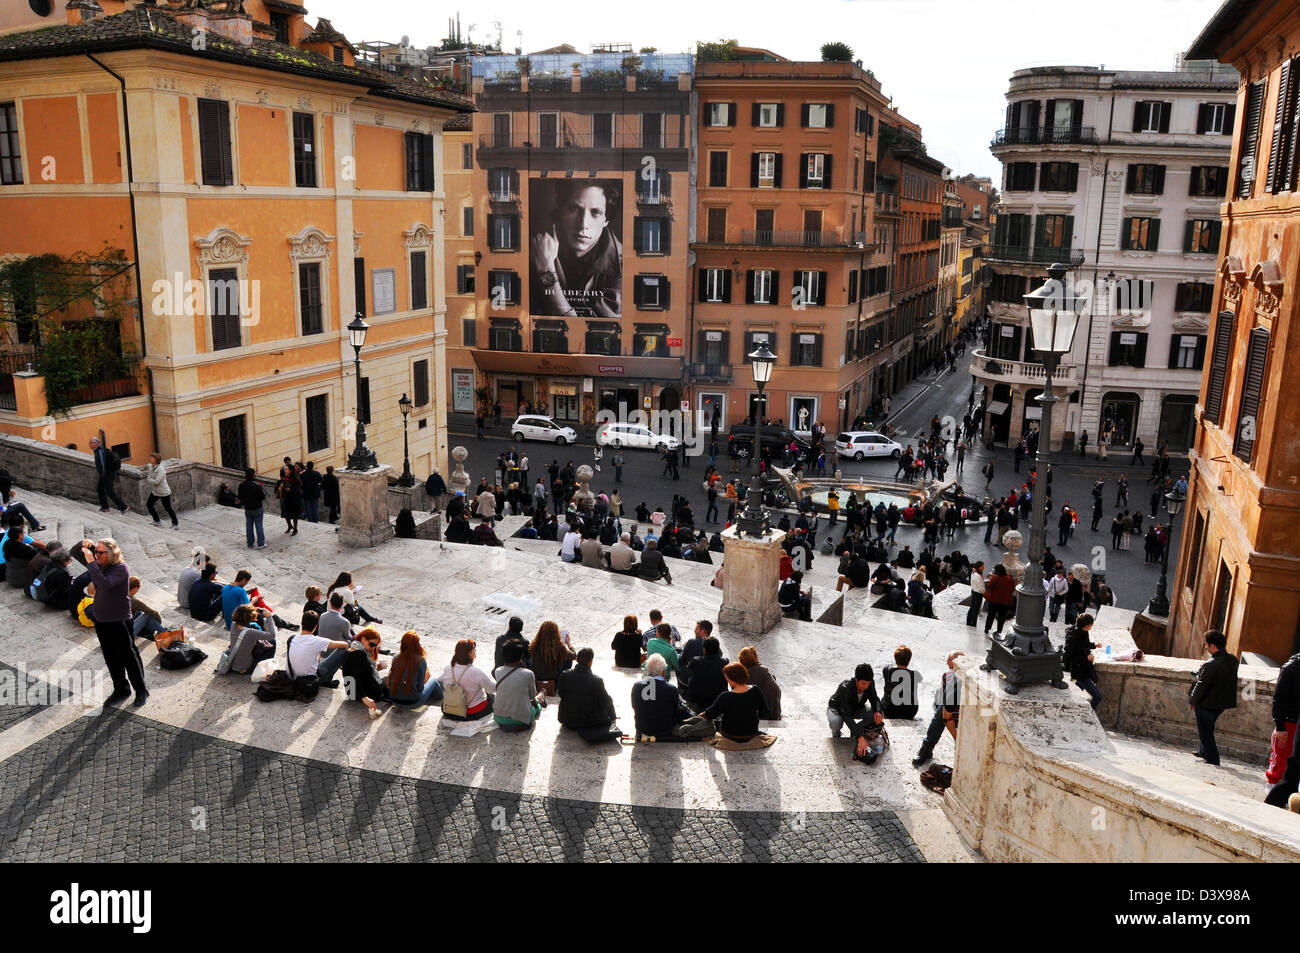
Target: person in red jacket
x=1000 y=594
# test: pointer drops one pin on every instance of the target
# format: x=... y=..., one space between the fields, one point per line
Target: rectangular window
x=419 y=281
x=816 y=171
x=1146 y=179
x=501 y=130
x=817 y=115
x=1202 y=236
x=812 y=226
x=1054 y=231
x=223 y=307
x=602 y=130
x=214 y=142
x=1140 y=234
x=1252 y=394
x=1020 y=176
x=232 y=435
x=652 y=125
x=318 y=426
x=1215 y=118
x=768 y=115
x=1058 y=177
x=810 y=287
x=309 y=298
x=651 y=292
x=1151 y=117
x=11 y=160
x=501 y=185
x=551 y=340
x=806 y=350
x=467 y=221
x=715 y=285
x=419 y=162
x=1128 y=349
x=304 y=150
x=1282 y=155
x=860 y=120
x=717 y=225
x=717 y=170
x=1210 y=181
x=548 y=130
x=762 y=286
x=764 y=223
x=505 y=338
x=720 y=114
x=1250 y=138
x=466 y=156
x=650 y=231
x=767 y=170
x=468 y=332
x=421 y=388
x=464 y=279
x=1187 y=351
x=504 y=232
x=1194 y=296
x=338 y=54
x=1225 y=331
x=280 y=24
x=503 y=286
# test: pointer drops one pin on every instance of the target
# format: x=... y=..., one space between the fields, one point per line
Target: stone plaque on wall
x=383 y=290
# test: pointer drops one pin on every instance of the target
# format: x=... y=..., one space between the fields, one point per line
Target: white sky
x=946 y=62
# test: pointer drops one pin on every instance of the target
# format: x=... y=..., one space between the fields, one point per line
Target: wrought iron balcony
x=800 y=238
x=1032 y=255
x=1044 y=136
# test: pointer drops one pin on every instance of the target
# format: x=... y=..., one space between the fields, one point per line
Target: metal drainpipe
x=135 y=242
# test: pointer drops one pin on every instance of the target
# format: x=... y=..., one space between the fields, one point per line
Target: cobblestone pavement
x=118 y=788
x=16 y=691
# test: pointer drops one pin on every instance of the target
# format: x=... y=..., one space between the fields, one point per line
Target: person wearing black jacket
x=57 y=584
x=1286 y=709
x=514 y=633
x=1076 y=657
x=627 y=644
x=585 y=705
x=330 y=493
x=856 y=705
x=359 y=665
x=311 y=489
x=252 y=497
x=656 y=704
x=1213 y=693
x=704 y=680
x=205 y=595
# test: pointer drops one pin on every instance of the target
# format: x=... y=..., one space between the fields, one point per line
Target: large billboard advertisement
x=576 y=247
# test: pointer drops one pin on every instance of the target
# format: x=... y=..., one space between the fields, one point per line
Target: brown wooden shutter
x=1252 y=390
x=359 y=283
x=1202 y=123
x=780 y=162
x=1250 y=139
x=214 y=142
x=1165 y=110
x=753 y=170
x=1276 y=160
x=1224 y=337
x=1139 y=114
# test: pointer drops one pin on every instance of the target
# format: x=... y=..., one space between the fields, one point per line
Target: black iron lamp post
x=407 y=478
x=1026 y=654
x=1160 y=604
x=753 y=519
x=361 y=457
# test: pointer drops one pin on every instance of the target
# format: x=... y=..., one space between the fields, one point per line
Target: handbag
x=180 y=655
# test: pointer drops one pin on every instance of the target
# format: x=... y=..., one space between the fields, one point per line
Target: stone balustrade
x=1013 y=372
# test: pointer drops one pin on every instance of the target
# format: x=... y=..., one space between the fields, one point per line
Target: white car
x=533 y=427
x=859 y=444
x=635 y=435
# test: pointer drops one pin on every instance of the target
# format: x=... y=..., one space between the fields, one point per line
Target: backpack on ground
x=454 y=701
x=180 y=655
x=277 y=686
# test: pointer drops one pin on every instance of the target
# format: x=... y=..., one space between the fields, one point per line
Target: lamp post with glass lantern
x=1026 y=654
x=753 y=519
x=407 y=478
x=1160 y=604
x=361 y=457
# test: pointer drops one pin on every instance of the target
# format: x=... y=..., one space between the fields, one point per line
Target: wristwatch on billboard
x=547 y=279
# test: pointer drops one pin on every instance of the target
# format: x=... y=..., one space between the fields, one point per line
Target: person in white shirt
x=477 y=683
x=1057 y=587
x=622 y=557
x=569 y=549
x=305 y=647
x=976 y=592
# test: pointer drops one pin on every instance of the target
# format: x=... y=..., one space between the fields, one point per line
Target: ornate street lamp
x=1026 y=654
x=407 y=478
x=361 y=457
x=753 y=519
x=1160 y=604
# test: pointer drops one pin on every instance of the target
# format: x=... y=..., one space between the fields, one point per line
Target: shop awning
x=997 y=407
x=579 y=365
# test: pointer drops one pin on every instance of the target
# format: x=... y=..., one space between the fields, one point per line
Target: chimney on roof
x=225 y=17
x=83 y=11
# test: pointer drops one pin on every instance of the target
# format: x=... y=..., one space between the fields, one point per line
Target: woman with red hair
x=409 y=683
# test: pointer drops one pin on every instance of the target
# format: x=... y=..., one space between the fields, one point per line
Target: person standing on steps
x=107 y=465
x=291 y=502
x=253 y=499
x=330 y=493
x=311 y=488
x=112 y=608
x=1213 y=693
x=155 y=477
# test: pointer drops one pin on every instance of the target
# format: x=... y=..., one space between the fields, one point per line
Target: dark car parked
x=740 y=440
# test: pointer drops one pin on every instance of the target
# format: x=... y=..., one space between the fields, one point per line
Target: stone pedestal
x=753 y=569
x=364 y=498
x=459 y=479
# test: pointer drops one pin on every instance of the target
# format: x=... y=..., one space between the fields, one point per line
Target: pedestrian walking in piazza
x=618 y=466
x=1138 y=447
x=1102 y=443
x=1121 y=493
x=598 y=455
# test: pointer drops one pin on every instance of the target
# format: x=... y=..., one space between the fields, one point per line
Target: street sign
x=674 y=342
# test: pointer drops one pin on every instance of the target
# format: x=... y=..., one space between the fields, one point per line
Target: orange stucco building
x=269 y=188
x=1239 y=561
x=787 y=250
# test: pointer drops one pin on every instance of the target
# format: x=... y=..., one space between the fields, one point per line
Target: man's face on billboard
x=582 y=219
